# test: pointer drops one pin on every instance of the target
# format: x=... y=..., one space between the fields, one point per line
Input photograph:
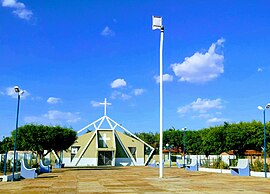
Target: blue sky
x=70 y=55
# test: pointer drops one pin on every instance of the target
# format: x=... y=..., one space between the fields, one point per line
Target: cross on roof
x=105 y=103
x=104 y=139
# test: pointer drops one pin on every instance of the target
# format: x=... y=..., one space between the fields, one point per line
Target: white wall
x=129 y=162
x=82 y=162
x=94 y=162
x=225 y=158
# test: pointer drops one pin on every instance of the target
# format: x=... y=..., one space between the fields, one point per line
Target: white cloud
x=11 y=92
x=165 y=78
x=201 y=105
x=107 y=32
x=120 y=95
x=95 y=103
x=125 y=96
x=54 y=117
x=118 y=83
x=216 y=120
x=184 y=109
x=201 y=67
x=20 y=9
x=37 y=98
x=53 y=100
x=259 y=69
x=203 y=116
x=138 y=92
x=13 y=4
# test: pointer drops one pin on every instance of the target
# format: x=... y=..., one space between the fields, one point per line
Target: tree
x=194 y=141
x=6 y=144
x=213 y=141
x=38 y=138
x=239 y=137
x=173 y=137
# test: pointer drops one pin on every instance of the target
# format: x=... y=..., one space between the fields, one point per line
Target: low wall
x=6 y=178
x=259 y=174
x=226 y=171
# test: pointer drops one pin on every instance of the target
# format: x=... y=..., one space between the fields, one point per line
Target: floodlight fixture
x=156 y=22
x=260 y=108
x=16 y=89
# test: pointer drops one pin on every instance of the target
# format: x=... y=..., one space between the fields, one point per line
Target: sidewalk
x=135 y=180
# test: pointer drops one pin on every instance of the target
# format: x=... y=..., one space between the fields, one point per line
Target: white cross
x=104 y=139
x=105 y=105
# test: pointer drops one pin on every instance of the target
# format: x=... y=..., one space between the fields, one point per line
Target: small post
x=170 y=157
x=5 y=163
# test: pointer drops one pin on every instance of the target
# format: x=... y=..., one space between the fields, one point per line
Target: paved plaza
x=135 y=180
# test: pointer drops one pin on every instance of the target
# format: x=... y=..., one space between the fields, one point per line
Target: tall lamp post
x=264 y=137
x=184 y=148
x=157 y=24
x=19 y=92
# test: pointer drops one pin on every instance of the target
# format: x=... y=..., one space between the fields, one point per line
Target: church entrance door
x=105 y=158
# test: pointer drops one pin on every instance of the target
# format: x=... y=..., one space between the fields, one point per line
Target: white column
x=161 y=173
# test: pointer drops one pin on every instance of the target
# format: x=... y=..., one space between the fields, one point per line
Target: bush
x=220 y=164
x=205 y=163
x=233 y=162
x=8 y=166
x=258 y=166
x=216 y=163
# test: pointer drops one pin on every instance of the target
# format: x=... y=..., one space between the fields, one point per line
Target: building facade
x=107 y=143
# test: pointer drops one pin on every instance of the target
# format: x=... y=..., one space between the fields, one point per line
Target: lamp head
x=268 y=105
x=21 y=92
x=184 y=128
x=156 y=22
x=16 y=89
x=260 y=108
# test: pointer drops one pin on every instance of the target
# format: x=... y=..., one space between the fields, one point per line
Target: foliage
x=258 y=166
x=215 y=163
x=214 y=140
x=219 y=164
x=6 y=144
x=150 y=138
x=37 y=138
x=8 y=166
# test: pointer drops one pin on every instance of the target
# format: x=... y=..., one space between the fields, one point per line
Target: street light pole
x=184 y=148
x=264 y=144
x=19 y=92
x=157 y=24
x=264 y=137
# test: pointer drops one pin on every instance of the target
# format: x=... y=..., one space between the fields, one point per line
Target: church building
x=106 y=142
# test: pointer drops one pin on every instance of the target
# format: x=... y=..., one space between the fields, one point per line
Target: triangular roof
x=106 y=123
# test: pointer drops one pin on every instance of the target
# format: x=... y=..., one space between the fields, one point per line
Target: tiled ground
x=135 y=180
